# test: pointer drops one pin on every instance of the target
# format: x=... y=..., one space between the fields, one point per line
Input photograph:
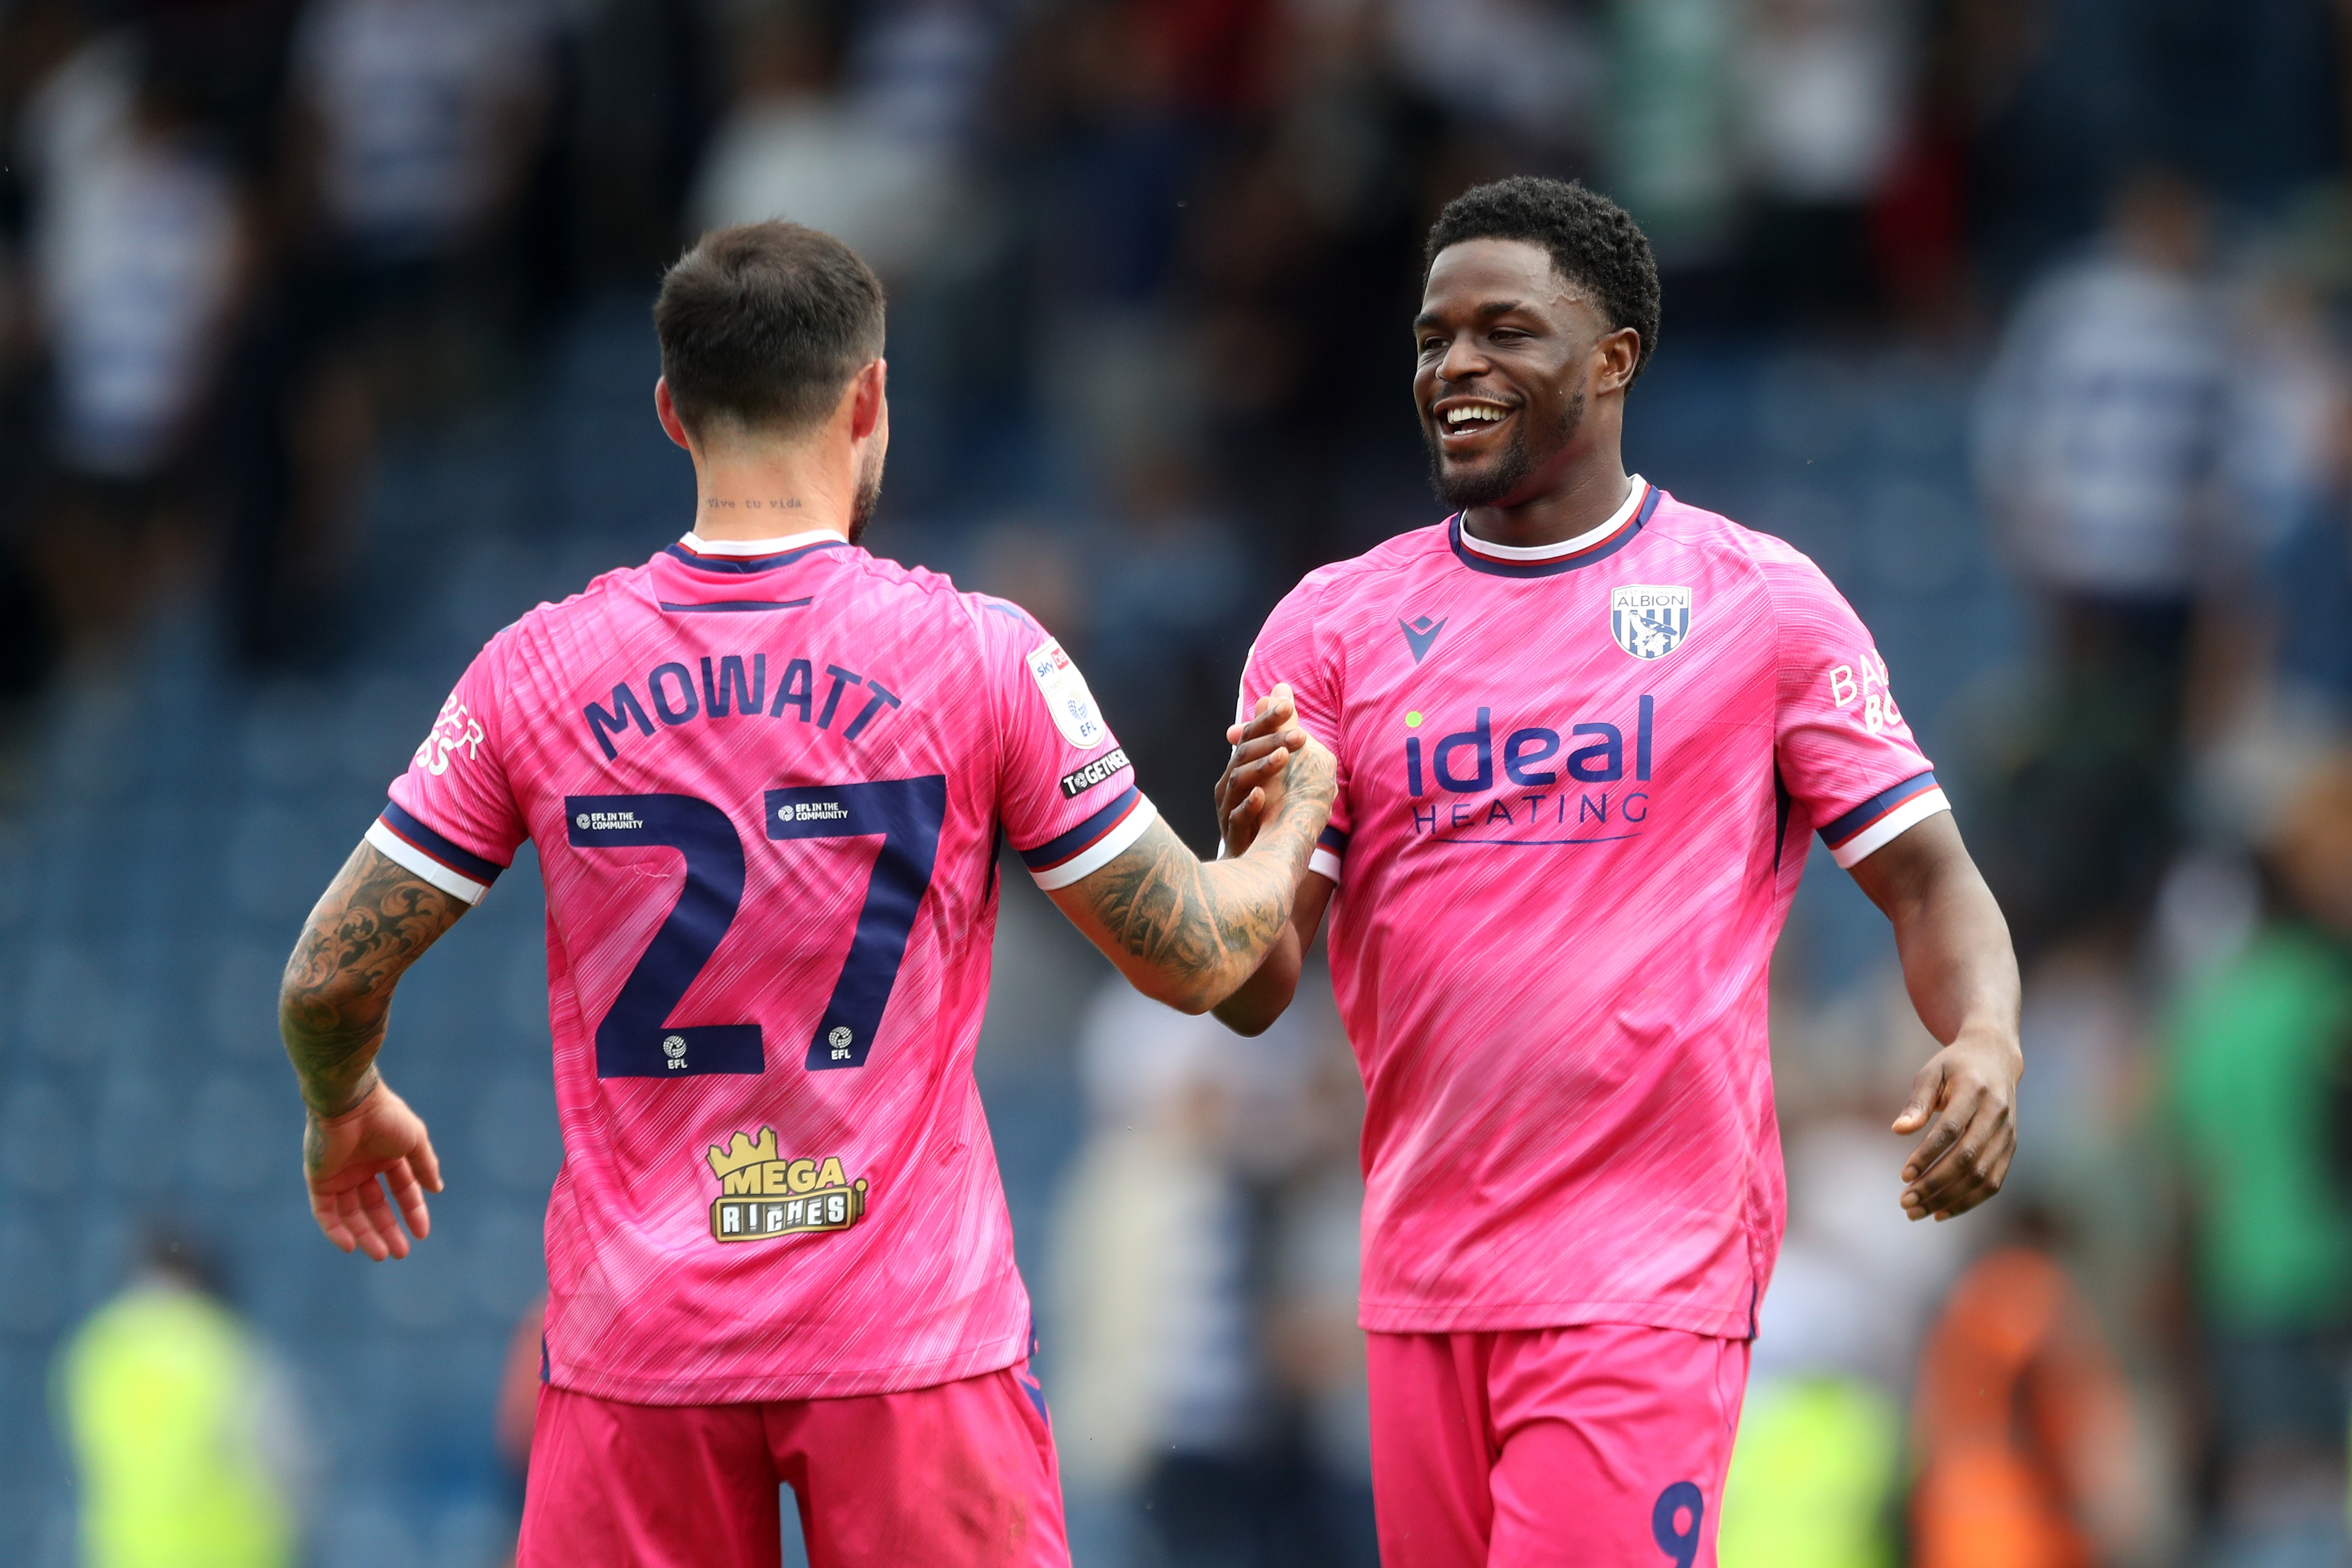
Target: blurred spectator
x=871 y=169
x=2261 y=1081
x=142 y=248
x=2026 y=1440
x=2099 y=438
x=1210 y=1369
x=181 y=1425
x=1528 y=72
x=1812 y=1476
x=1669 y=148
x=1813 y=1480
x=424 y=113
x=415 y=125
x=518 y=1407
x=1819 y=118
x=2103 y=420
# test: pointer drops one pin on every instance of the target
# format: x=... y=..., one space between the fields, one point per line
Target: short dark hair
x=763 y=324
x=1593 y=243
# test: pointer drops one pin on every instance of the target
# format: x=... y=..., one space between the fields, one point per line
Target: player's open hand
x=1261 y=749
x=1966 y=1098
x=361 y=1164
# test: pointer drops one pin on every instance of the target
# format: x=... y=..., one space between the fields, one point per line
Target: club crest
x=1649 y=622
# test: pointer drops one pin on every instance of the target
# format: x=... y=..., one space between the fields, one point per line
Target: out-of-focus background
x=324 y=352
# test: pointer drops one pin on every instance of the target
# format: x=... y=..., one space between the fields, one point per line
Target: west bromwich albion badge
x=1649 y=622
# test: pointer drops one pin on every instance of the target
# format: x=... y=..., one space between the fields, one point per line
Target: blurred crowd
x=1150 y=264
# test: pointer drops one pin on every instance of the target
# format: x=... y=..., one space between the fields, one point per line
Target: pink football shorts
x=962 y=1475
x=1602 y=1446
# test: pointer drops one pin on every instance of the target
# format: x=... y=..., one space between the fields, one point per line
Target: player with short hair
x=1583 y=731
x=768 y=775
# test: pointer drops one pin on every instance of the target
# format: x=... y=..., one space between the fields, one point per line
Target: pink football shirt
x=1576 y=785
x=767 y=782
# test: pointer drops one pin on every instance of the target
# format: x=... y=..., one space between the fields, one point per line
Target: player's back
x=767 y=784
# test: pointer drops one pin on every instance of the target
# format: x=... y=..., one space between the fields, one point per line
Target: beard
x=868 y=496
x=1463 y=489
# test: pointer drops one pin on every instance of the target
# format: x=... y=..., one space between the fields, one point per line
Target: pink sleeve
x=1066 y=794
x=1286 y=650
x=451 y=818
x=1844 y=749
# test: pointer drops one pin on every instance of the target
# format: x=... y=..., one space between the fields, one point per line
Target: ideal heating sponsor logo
x=1534 y=785
x=763 y=1195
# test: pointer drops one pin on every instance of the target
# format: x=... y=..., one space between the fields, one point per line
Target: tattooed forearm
x=1189 y=932
x=373 y=921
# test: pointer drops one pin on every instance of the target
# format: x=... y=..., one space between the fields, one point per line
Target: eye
x=1506 y=335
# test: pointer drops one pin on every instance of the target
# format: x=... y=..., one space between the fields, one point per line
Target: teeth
x=1484 y=413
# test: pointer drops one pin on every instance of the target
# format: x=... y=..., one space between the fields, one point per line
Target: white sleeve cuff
x=1889 y=828
x=407 y=856
x=1325 y=864
x=1104 y=850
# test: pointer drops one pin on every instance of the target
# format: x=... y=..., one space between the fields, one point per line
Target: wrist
x=328 y=1109
x=2000 y=1039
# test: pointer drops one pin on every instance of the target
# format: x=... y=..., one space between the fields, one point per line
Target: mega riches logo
x=763 y=1195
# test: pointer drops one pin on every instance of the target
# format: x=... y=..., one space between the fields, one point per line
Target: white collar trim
x=1636 y=491
x=701 y=545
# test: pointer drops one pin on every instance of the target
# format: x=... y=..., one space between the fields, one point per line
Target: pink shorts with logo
x=1601 y=1445
x=962 y=1475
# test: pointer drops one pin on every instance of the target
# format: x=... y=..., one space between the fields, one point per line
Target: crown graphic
x=742 y=1150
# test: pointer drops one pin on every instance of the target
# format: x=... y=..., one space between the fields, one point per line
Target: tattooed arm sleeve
x=1186 y=932
x=375 y=919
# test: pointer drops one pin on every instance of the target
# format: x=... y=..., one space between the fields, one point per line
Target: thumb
x=1922 y=1104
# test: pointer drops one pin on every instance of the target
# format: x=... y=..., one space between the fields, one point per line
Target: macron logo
x=1418 y=633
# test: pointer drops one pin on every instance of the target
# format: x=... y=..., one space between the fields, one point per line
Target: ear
x=867 y=404
x=1618 y=354
x=666 y=409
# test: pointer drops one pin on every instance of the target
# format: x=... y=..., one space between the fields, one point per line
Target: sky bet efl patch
x=762 y=1195
x=1066 y=694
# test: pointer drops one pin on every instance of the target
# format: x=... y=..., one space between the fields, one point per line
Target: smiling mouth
x=1462 y=424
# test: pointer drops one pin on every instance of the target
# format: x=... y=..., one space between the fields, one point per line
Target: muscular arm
x=1265 y=995
x=1962 y=976
x=363 y=1150
x=1188 y=932
x=374 y=920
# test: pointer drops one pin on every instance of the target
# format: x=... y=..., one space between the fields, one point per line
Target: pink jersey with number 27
x=767 y=781
x=1576 y=787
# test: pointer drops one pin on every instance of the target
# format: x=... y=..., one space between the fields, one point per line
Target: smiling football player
x=1584 y=731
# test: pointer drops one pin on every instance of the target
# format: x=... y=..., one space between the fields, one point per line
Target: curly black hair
x=1593 y=243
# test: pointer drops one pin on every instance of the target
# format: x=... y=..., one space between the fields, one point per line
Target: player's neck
x=1586 y=496
x=770 y=493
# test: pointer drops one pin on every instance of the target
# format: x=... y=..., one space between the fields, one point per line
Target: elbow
x=1249 y=1025
x=1192 y=1001
x=1189 y=994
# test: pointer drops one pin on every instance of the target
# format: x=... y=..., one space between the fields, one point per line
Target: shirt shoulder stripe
x=1871 y=825
x=1125 y=818
x=448 y=866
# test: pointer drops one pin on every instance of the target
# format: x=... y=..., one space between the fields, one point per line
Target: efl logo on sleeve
x=1078 y=781
x=762 y=1195
x=1649 y=622
x=1066 y=696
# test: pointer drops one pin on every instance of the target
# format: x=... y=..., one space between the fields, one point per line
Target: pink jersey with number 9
x=767 y=781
